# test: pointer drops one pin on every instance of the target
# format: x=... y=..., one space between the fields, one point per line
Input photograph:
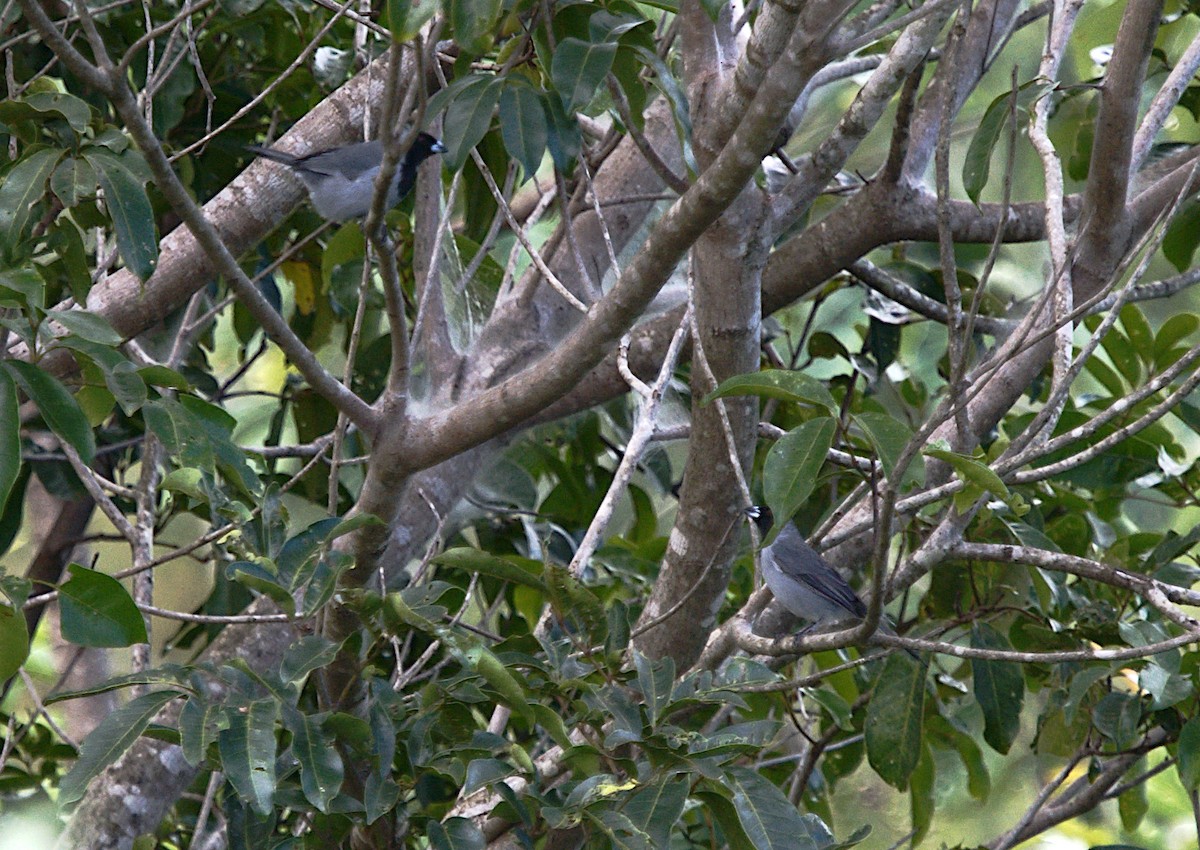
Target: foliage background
x=516 y=511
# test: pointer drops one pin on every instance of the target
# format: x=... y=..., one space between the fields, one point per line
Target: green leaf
x=57 y=406
x=978 y=160
x=28 y=287
x=468 y=117
x=1122 y=354
x=43 y=105
x=98 y=611
x=1116 y=717
x=619 y=830
x=655 y=809
x=921 y=795
x=1173 y=330
x=1138 y=331
x=518 y=571
x=20 y=192
x=947 y=733
x=1189 y=755
x=791 y=468
x=973 y=471
x=199 y=725
x=578 y=70
x=717 y=802
x=73 y=180
x=309 y=653
x=406 y=17
x=132 y=217
x=1132 y=805
x=472 y=22
x=321 y=769
x=893 y=726
x=90 y=326
x=10 y=437
x=655 y=680
x=14 y=641
x=501 y=680
x=105 y=744
x=455 y=834
x=1183 y=235
x=768 y=818
x=248 y=752
x=161 y=376
x=523 y=124
x=888 y=436
x=782 y=384
x=999 y=690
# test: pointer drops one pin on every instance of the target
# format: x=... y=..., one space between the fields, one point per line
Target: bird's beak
x=438 y=147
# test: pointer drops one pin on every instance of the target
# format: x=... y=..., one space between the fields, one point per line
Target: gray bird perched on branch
x=803 y=581
x=341 y=181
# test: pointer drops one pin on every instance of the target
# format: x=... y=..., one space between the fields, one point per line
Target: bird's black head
x=762 y=517
x=423 y=147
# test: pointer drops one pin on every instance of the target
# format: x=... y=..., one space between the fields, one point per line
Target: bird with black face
x=341 y=180
x=804 y=582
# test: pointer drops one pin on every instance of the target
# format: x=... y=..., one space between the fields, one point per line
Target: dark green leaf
x=248 y=752
x=129 y=207
x=769 y=820
x=27 y=286
x=98 y=611
x=104 y=744
x=655 y=680
x=579 y=68
x=978 y=160
x=500 y=678
x=1116 y=717
x=1138 y=331
x=888 y=436
x=518 y=571
x=40 y=105
x=468 y=117
x=999 y=690
x=1183 y=234
x=305 y=655
x=883 y=342
x=90 y=326
x=60 y=410
x=1174 y=329
x=782 y=384
x=656 y=808
x=199 y=725
x=321 y=770
x=791 y=468
x=406 y=17
x=973 y=471
x=10 y=438
x=73 y=180
x=523 y=125
x=14 y=641
x=472 y=22
x=455 y=834
x=893 y=725
x=1189 y=755
x=481 y=772
x=20 y=191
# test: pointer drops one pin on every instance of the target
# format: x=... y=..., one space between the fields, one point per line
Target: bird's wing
x=800 y=562
x=350 y=161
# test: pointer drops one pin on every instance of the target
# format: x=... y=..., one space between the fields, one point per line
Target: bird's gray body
x=805 y=583
x=341 y=181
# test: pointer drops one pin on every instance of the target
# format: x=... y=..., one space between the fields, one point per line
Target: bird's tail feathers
x=272 y=154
